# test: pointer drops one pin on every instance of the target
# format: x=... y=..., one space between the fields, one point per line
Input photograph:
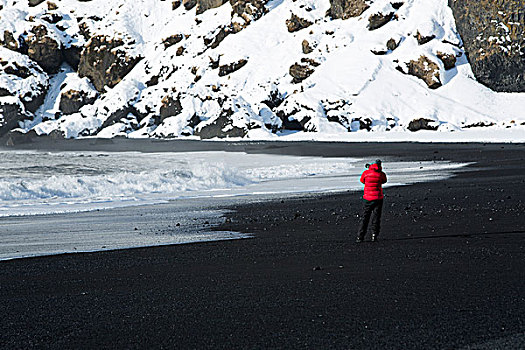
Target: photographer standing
x=373 y=178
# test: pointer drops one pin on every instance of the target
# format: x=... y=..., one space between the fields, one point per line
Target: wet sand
x=448 y=271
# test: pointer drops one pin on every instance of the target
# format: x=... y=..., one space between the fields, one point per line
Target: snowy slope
x=357 y=84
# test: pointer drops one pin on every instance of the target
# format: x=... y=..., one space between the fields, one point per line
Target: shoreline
x=446 y=273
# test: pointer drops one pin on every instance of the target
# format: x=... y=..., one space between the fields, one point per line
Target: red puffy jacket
x=373 y=178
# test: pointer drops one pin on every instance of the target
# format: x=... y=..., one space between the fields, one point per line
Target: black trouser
x=373 y=209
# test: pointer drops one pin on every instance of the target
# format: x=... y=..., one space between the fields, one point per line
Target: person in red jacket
x=373 y=178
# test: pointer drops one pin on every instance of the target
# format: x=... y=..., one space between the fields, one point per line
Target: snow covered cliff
x=255 y=69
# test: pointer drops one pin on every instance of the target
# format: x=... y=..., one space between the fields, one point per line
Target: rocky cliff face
x=494 y=39
x=256 y=68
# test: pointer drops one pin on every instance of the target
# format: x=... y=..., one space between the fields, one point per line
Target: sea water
x=57 y=202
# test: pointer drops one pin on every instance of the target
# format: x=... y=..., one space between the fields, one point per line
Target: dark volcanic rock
x=217 y=37
x=392 y=44
x=10 y=115
x=222 y=127
x=425 y=70
x=449 y=60
x=175 y=4
x=203 y=5
x=494 y=40
x=422 y=124
x=172 y=40
x=105 y=61
x=249 y=9
x=296 y=23
x=347 y=8
x=72 y=100
x=377 y=20
x=35 y=2
x=189 y=4
x=301 y=71
x=232 y=67
x=72 y=56
x=10 y=41
x=306 y=47
x=43 y=49
x=422 y=40
x=170 y=107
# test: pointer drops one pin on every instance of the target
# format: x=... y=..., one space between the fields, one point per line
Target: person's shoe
x=374 y=238
x=358 y=240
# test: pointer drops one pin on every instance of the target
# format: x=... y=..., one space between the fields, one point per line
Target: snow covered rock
x=296 y=23
x=377 y=20
x=22 y=78
x=204 y=5
x=345 y=9
x=44 y=49
x=427 y=70
x=11 y=113
x=494 y=38
x=72 y=100
x=422 y=124
x=105 y=61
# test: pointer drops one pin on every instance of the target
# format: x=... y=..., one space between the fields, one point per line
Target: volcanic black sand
x=448 y=272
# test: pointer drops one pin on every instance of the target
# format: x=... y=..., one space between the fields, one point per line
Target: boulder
x=33 y=3
x=43 y=49
x=222 y=127
x=296 y=23
x=377 y=20
x=422 y=39
x=105 y=61
x=449 y=60
x=189 y=4
x=306 y=47
x=170 y=107
x=204 y=5
x=392 y=44
x=172 y=40
x=422 y=124
x=72 y=100
x=426 y=70
x=10 y=42
x=215 y=38
x=175 y=4
x=345 y=9
x=300 y=72
x=232 y=67
x=11 y=112
x=493 y=37
x=249 y=9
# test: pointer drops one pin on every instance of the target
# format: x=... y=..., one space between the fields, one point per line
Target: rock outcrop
x=377 y=20
x=427 y=70
x=43 y=49
x=204 y=5
x=232 y=67
x=222 y=127
x=347 y=8
x=249 y=9
x=105 y=61
x=170 y=107
x=494 y=39
x=301 y=71
x=72 y=100
x=11 y=112
x=296 y=23
x=422 y=124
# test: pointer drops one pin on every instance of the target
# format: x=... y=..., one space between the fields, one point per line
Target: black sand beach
x=447 y=273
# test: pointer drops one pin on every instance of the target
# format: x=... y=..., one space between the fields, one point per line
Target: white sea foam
x=42 y=183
